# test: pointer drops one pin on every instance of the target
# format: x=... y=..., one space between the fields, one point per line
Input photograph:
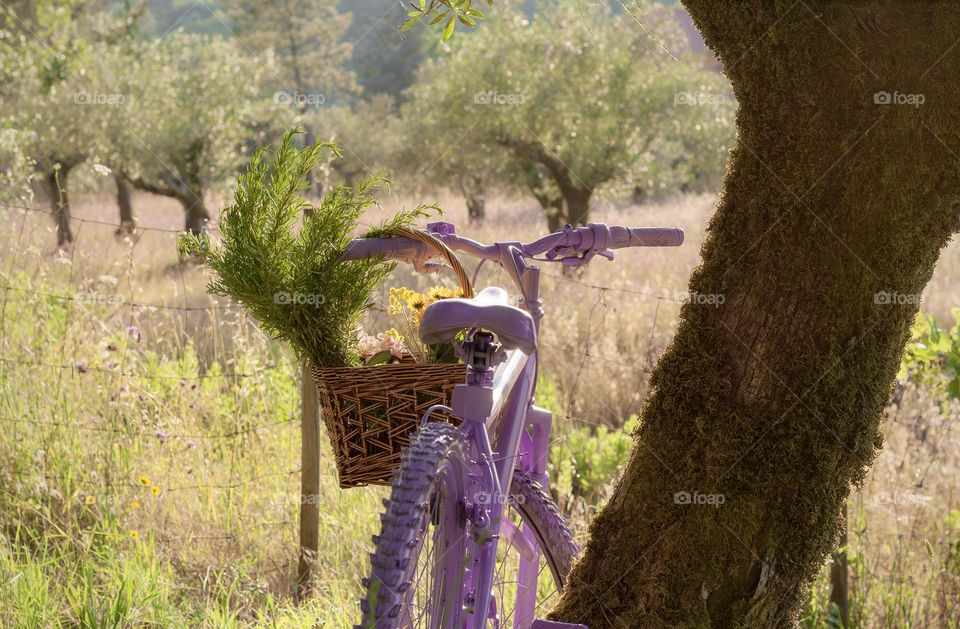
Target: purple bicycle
x=469 y=528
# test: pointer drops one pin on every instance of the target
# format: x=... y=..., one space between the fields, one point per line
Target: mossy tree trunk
x=767 y=408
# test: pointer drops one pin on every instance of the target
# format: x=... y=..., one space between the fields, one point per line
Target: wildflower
x=442 y=292
x=89 y=500
x=398 y=298
x=393 y=334
x=417 y=303
x=155 y=490
x=134 y=505
x=134 y=535
x=144 y=481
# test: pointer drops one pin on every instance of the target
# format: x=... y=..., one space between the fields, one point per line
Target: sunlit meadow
x=149 y=450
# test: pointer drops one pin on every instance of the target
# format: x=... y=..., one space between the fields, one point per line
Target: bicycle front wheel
x=426 y=545
x=417 y=569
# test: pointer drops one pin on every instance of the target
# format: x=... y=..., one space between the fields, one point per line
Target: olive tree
x=307 y=39
x=580 y=98
x=196 y=106
x=64 y=73
x=384 y=58
x=44 y=50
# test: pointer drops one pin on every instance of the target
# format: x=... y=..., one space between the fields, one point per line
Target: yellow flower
x=89 y=500
x=392 y=333
x=134 y=505
x=134 y=535
x=417 y=303
x=155 y=490
x=398 y=297
x=144 y=481
x=442 y=292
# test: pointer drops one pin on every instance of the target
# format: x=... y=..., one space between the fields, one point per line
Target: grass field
x=149 y=442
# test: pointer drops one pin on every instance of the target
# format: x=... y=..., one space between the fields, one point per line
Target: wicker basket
x=371 y=412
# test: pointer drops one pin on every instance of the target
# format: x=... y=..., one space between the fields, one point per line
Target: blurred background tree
x=579 y=101
x=385 y=59
x=198 y=117
x=551 y=99
x=49 y=54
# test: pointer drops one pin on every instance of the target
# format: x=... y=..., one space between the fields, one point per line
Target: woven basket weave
x=370 y=413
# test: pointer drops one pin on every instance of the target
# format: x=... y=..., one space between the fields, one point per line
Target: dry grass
x=217 y=547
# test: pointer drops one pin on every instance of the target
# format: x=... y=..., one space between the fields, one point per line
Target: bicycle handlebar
x=565 y=246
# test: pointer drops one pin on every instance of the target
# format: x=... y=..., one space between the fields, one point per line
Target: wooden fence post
x=839 y=575
x=309 y=481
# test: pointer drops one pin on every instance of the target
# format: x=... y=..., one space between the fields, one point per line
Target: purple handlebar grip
x=403 y=249
x=656 y=237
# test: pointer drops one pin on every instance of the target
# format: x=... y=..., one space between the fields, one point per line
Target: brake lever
x=422 y=266
x=577 y=260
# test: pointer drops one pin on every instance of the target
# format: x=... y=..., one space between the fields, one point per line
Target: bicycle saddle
x=490 y=310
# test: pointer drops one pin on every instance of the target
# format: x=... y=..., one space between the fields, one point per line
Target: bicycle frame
x=508 y=402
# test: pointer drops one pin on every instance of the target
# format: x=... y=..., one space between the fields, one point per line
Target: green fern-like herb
x=293 y=280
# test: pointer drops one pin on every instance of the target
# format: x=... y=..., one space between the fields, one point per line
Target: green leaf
x=469 y=21
x=448 y=31
x=380 y=358
x=954 y=388
x=439 y=18
x=477 y=13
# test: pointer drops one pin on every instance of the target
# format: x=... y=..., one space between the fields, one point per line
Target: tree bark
x=189 y=193
x=57 y=178
x=195 y=211
x=474 y=192
x=840 y=576
x=766 y=407
x=127 y=222
x=552 y=208
x=576 y=204
x=538 y=179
